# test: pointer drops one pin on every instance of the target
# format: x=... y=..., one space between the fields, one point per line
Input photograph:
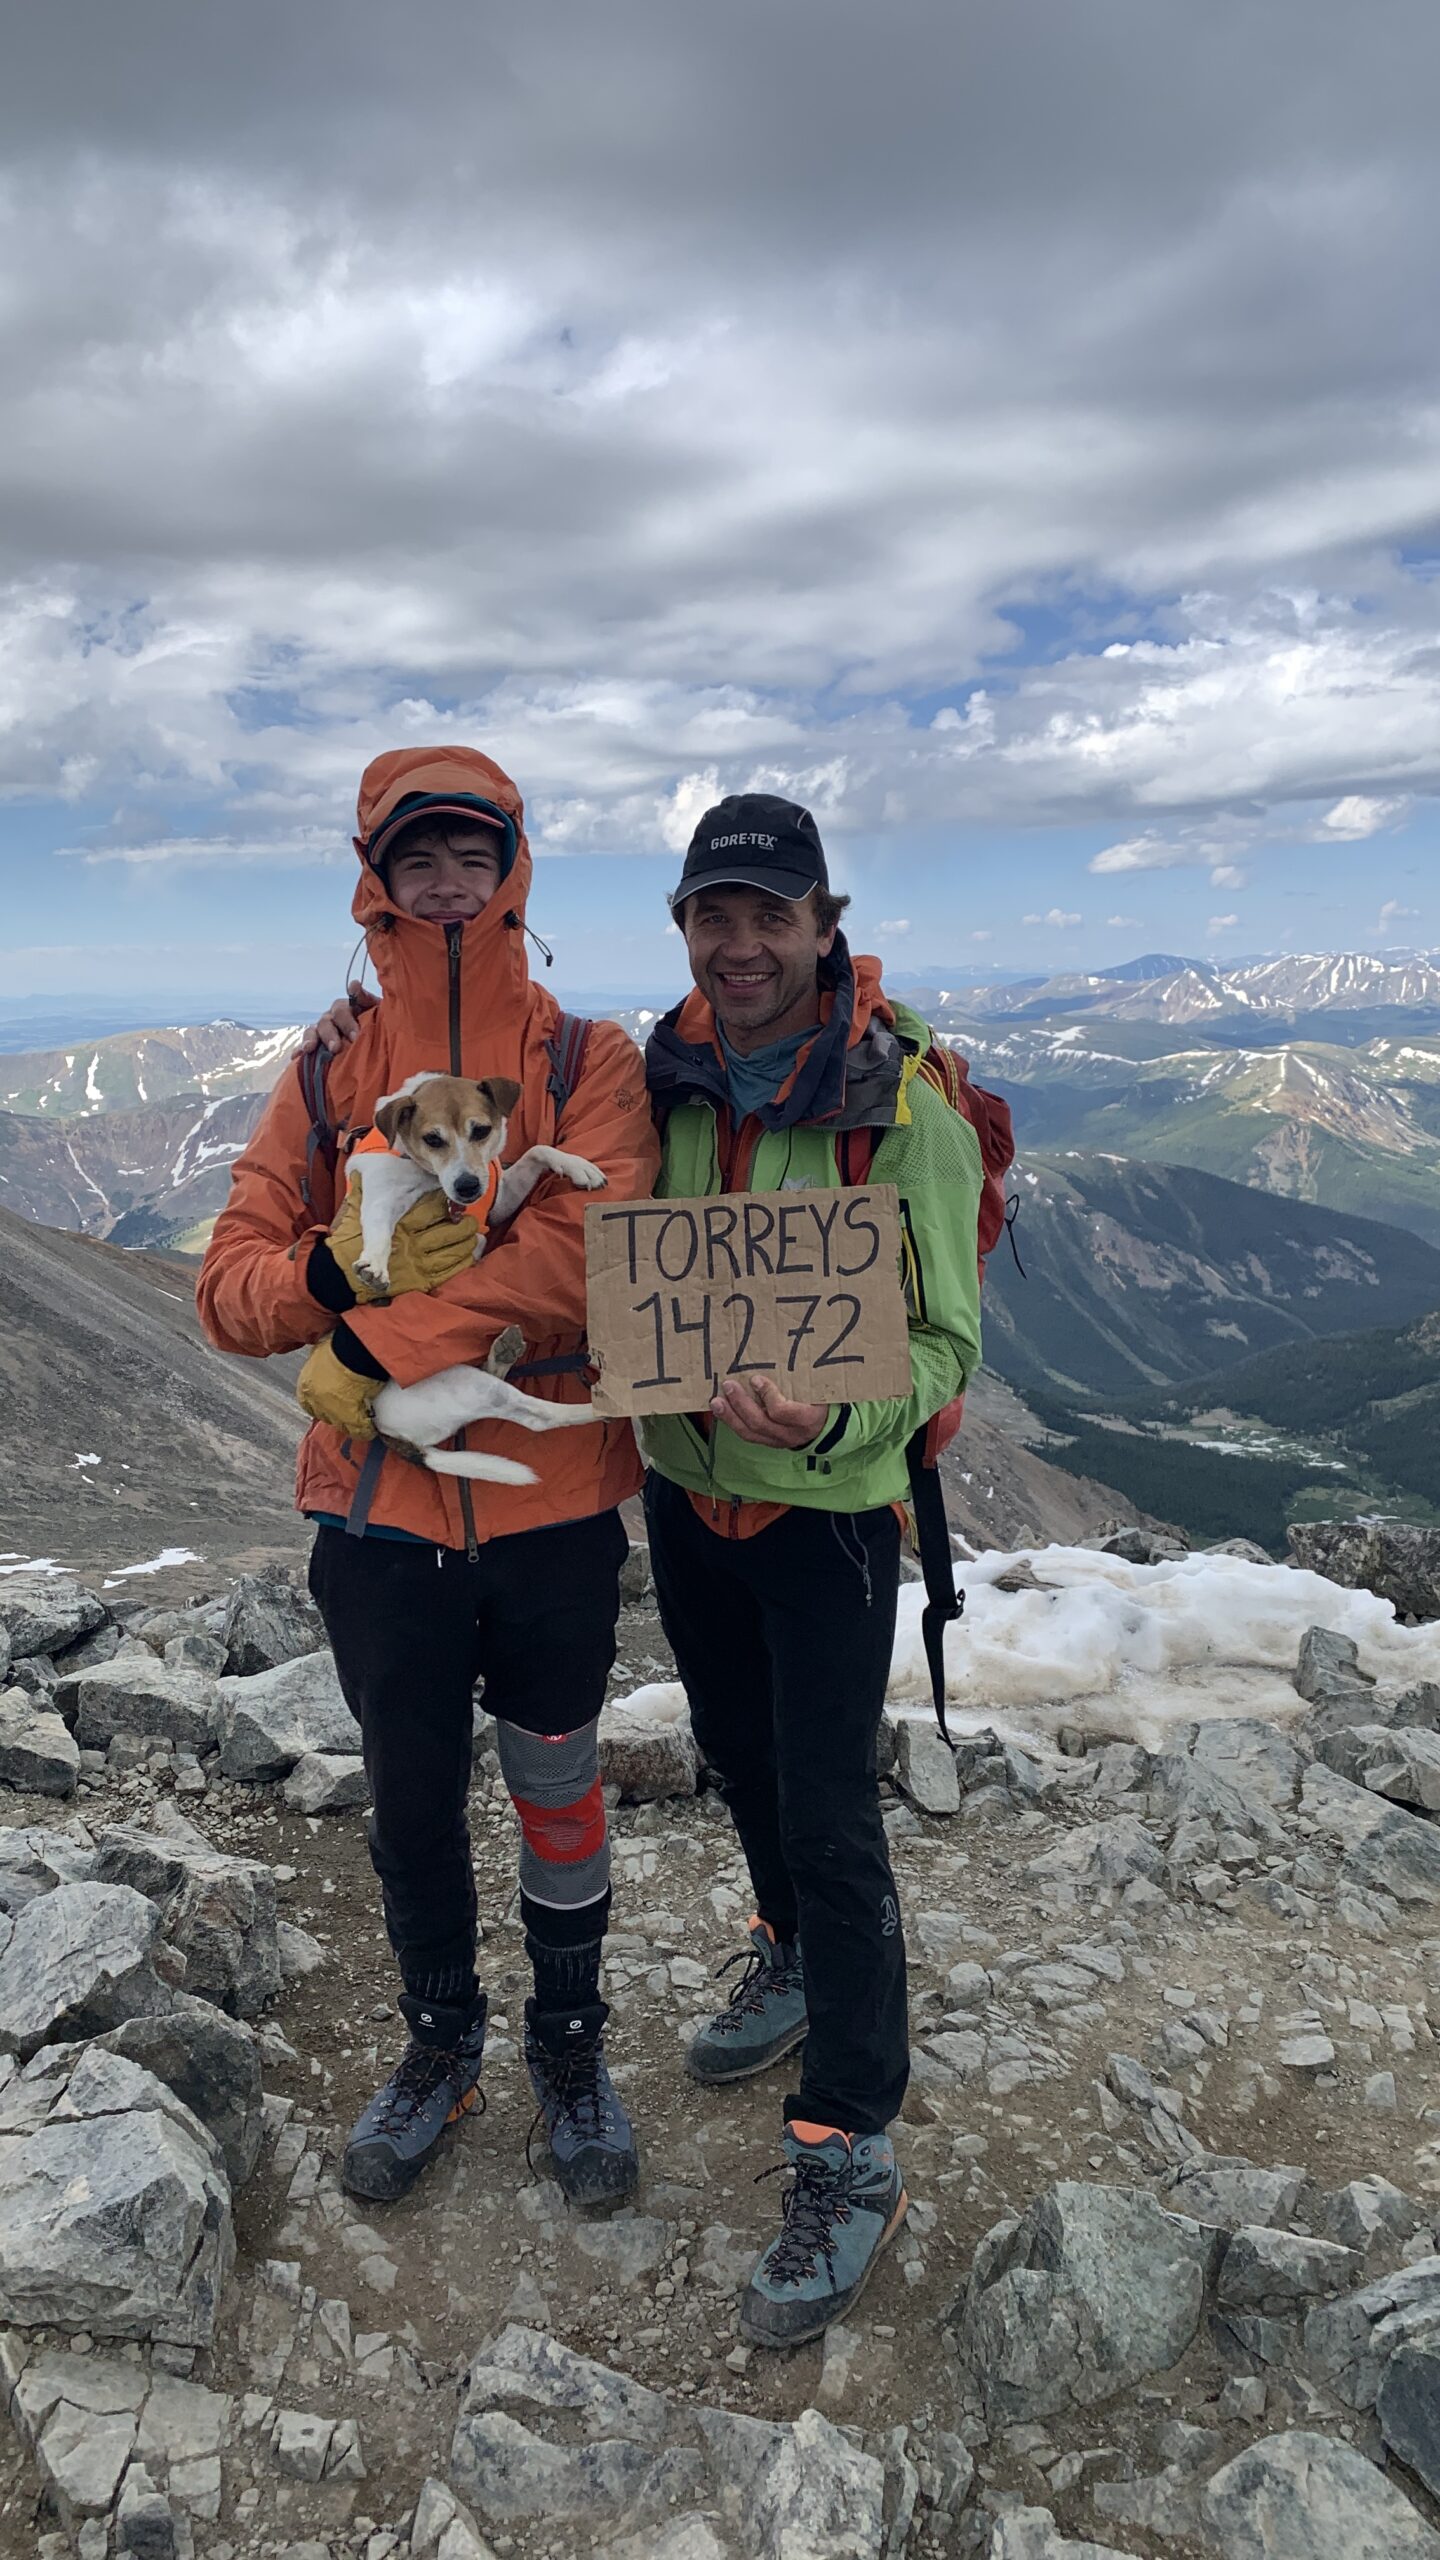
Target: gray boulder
x=327 y=1782
x=1226 y=2193
x=212 y=2064
x=1101 y=1853
x=1370 y=2210
x=545 y=2433
x=195 y=1651
x=1398 y=1564
x=1385 y=1848
x=648 y=1757
x=925 y=1766
x=41 y=1613
x=79 y=1960
x=271 y=1719
x=1143 y=1546
x=114 y=2207
x=101 y=1645
x=1348 y=2344
x=1328 y=1662
x=1269 y=2280
x=1245 y=1548
x=38 y=1753
x=1407 y=2405
x=33 y=1861
x=135 y=1694
x=1401 y=1762
x=1091 y=2290
x=1309 y=2497
x=219 y=1911
x=1255 y=1759
x=271 y=1619
x=1031 y=2533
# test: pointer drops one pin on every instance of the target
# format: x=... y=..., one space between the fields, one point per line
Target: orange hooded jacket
x=457 y=1000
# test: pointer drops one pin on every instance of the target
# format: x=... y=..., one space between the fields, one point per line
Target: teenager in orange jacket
x=428 y=1583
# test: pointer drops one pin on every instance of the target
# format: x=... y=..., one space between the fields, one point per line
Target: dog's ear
x=504 y=1094
x=393 y=1116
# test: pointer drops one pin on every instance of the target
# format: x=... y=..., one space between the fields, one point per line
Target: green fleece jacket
x=858 y=1460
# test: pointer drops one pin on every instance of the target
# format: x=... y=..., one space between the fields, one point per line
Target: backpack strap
x=943 y=1603
x=565 y=1050
x=323 y=1140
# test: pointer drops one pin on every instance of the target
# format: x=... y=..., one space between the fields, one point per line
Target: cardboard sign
x=799 y=1286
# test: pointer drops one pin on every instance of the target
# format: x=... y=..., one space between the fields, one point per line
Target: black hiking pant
x=783 y=1642
x=413 y=1628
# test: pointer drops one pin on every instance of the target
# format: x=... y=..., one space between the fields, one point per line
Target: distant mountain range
x=1140 y=1277
x=1161 y=988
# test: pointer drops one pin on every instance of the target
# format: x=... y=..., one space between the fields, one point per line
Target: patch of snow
x=87 y=1458
x=156 y=1564
x=92 y=1090
x=34 y=1564
x=1126 y=1650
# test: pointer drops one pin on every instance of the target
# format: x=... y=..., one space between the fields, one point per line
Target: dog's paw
x=374 y=1275
x=584 y=1175
x=505 y=1350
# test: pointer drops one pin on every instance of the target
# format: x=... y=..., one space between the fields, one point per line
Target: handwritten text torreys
x=803 y=1288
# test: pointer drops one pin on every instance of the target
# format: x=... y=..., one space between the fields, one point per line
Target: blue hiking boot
x=766 y=2016
x=846 y=2201
x=436 y=2082
x=592 y=2142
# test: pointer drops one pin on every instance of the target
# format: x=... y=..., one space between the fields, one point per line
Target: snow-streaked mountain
x=1162 y=989
x=130 y=1067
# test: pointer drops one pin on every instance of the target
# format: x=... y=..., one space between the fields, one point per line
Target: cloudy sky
x=1009 y=426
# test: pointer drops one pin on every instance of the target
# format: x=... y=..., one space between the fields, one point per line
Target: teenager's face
x=445 y=875
x=755 y=957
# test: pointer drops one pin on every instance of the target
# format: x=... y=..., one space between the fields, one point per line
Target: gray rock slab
x=811 y=2491
x=1370 y=2210
x=444 y=2530
x=1101 y=1853
x=134 y=1694
x=270 y=1720
x=1327 y=1662
x=270 y=1620
x=1408 y=2408
x=41 y=1613
x=219 y=1911
x=1399 y=1564
x=1031 y=2533
x=327 y=1782
x=79 y=1960
x=34 y=1860
x=114 y=2211
x=526 y=2371
x=1091 y=2290
x=925 y=1767
x=648 y=1757
x=1385 y=1848
x=38 y=1753
x=1279 y=2274
x=212 y=2064
x=1347 y=2344
x=1310 y=2497
x=1254 y=1758
x=1401 y=1762
x=1227 y=2193
x=82 y=2458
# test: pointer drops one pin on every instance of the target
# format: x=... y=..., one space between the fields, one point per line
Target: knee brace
x=554 y=1783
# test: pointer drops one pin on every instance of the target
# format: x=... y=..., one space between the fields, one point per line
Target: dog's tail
x=468 y=1462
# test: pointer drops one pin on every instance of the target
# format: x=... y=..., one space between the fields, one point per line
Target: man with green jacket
x=775 y=1526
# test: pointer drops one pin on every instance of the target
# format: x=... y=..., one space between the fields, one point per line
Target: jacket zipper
x=452 y=947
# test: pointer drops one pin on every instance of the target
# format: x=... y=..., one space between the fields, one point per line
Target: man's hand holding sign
x=769 y=1308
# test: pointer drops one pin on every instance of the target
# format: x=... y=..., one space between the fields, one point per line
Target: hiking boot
x=591 y=2140
x=846 y=2201
x=766 y=2017
x=435 y=2083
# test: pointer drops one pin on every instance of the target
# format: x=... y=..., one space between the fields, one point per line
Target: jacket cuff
x=833 y=1433
x=326 y=1281
x=354 y=1355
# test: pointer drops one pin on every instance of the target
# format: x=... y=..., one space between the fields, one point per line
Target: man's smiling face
x=755 y=957
x=445 y=873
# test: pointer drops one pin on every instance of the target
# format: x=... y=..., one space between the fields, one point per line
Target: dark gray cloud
x=666 y=394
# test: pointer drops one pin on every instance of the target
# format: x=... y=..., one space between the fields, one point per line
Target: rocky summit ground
x=1170 y=2283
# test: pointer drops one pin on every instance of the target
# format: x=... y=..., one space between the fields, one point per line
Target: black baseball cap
x=754 y=841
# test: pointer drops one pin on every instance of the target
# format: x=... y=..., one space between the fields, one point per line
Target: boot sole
x=405 y=2174
x=828 y=2313
x=748 y=2070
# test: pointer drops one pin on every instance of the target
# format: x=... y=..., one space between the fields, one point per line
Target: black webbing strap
x=943 y=1603
x=565 y=1364
x=357 y=1518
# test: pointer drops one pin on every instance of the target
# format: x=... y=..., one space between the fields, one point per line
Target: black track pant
x=413 y=1628
x=783 y=1642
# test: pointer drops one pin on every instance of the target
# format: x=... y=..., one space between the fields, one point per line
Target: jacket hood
x=413 y=959
x=848 y=1076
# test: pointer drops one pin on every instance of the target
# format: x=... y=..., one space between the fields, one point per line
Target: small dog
x=444 y=1133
